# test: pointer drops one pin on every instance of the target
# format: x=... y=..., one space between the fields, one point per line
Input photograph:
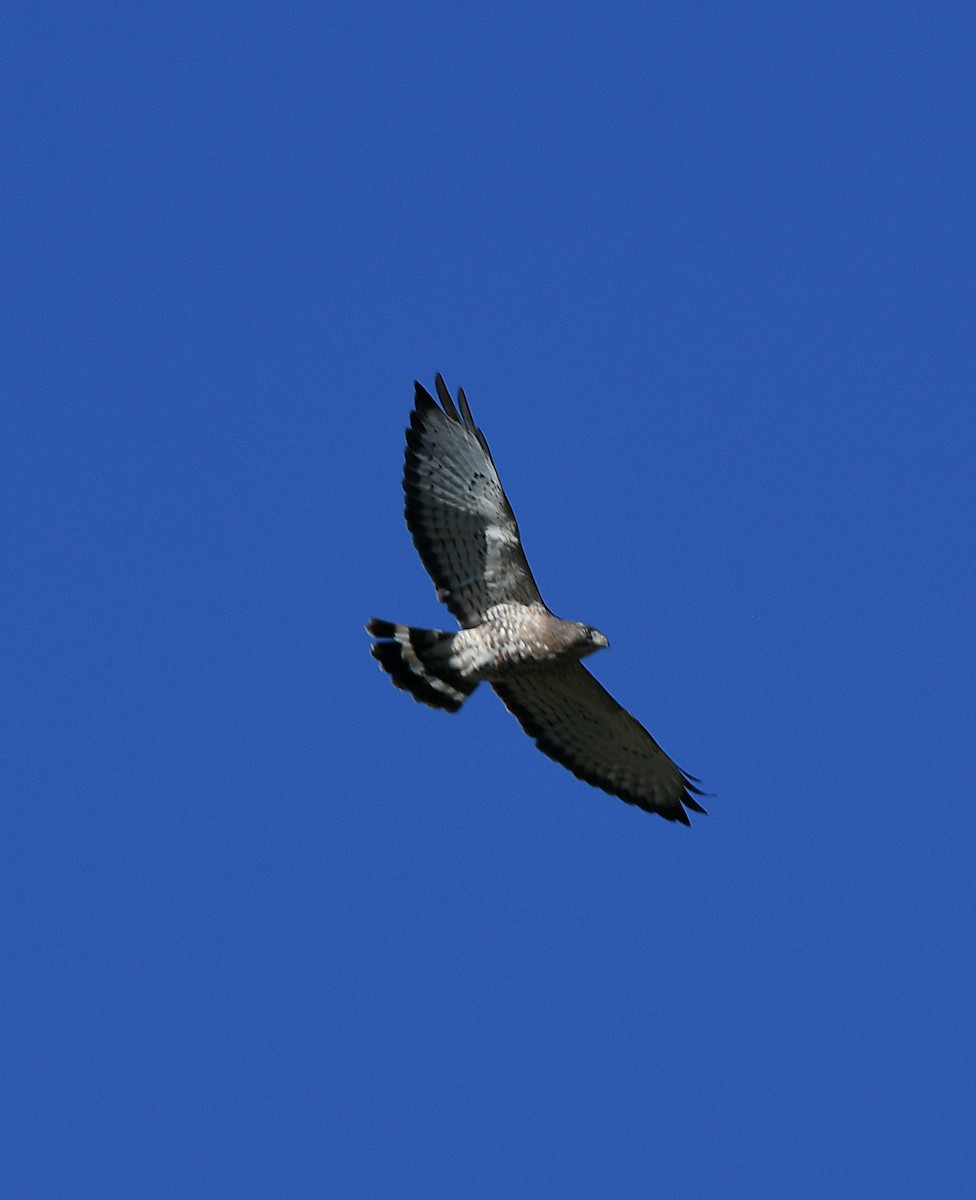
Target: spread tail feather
x=416 y=661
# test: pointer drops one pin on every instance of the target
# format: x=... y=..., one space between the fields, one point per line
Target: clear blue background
x=706 y=273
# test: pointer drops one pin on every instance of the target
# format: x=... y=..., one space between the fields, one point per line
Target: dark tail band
x=415 y=661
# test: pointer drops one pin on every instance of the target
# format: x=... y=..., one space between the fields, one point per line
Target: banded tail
x=417 y=660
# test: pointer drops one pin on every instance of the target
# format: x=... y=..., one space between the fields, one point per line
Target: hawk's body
x=467 y=537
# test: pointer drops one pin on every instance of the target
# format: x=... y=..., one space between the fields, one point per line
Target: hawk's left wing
x=462 y=523
x=578 y=723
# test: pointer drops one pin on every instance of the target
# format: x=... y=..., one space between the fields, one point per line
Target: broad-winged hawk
x=467 y=537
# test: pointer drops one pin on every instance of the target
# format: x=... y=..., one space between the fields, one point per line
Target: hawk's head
x=591 y=639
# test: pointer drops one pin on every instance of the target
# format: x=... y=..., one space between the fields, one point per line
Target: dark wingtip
x=690 y=792
x=422 y=398
x=466 y=412
x=445 y=397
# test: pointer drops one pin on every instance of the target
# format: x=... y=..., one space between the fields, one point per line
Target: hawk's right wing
x=462 y=524
x=576 y=721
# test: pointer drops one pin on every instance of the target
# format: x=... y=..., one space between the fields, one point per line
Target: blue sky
x=706 y=274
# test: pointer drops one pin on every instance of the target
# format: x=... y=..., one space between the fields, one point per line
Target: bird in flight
x=465 y=532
